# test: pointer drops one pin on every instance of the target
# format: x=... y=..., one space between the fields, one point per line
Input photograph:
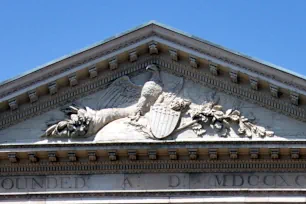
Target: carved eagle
x=123 y=91
x=84 y=122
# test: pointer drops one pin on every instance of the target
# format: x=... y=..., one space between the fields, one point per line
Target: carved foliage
x=209 y=113
x=212 y=114
x=11 y=118
x=76 y=126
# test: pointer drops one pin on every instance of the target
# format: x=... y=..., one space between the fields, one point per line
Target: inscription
x=126 y=183
x=42 y=183
x=255 y=181
x=162 y=181
x=174 y=181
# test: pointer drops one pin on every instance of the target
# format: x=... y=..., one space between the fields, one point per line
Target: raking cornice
x=91 y=86
x=141 y=36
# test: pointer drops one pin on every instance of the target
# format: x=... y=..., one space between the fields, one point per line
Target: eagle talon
x=135 y=117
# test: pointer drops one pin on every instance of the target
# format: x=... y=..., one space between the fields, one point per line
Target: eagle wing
x=121 y=93
x=176 y=86
x=171 y=92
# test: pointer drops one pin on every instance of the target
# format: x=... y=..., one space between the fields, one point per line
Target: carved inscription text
x=162 y=181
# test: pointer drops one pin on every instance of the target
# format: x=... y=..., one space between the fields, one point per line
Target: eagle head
x=152 y=68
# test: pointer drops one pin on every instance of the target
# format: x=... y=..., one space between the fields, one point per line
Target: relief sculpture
x=163 y=108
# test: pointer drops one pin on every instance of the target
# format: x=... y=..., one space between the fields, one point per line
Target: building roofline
x=77 y=52
x=152 y=22
x=263 y=62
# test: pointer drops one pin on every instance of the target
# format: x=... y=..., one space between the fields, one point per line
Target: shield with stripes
x=163 y=120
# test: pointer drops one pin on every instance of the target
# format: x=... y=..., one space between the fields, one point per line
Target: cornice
x=151 y=158
x=209 y=52
x=248 y=94
x=161 y=32
x=24 y=147
x=9 y=118
x=230 y=57
x=149 y=166
x=106 y=53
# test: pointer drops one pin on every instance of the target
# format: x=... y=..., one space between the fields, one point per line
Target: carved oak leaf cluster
x=213 y=115
x=76 y=126
x=179 y=104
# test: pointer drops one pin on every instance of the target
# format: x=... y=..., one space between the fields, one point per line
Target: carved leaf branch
x=212 y=114
x=76 y=126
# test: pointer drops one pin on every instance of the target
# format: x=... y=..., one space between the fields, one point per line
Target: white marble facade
x=285 y=128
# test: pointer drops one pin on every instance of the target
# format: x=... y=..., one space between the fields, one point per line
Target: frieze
x=152 y=182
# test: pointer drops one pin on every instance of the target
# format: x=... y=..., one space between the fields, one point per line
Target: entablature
x=152 y=157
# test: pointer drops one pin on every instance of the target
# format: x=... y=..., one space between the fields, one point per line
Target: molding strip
x=152 y=166
x=175 y=196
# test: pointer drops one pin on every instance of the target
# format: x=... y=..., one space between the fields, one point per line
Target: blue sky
x=36 y=32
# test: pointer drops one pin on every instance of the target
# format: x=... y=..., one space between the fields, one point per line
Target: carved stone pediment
x=114 y=115
x=153 y=112
x=154 y=87
x=162 y=109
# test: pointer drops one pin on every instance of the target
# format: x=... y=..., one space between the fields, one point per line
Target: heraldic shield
x=163 y=120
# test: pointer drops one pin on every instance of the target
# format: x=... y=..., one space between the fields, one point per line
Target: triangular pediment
x=270 y=97
x=175 y=89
